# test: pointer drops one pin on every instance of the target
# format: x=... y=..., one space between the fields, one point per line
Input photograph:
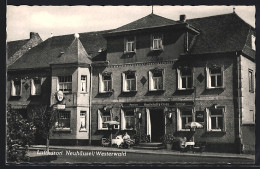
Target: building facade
x=153 y=76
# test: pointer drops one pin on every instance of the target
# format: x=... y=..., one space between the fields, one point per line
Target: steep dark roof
x=148 y=21
x=14 y=46
x=50 y=50
x=220 y=33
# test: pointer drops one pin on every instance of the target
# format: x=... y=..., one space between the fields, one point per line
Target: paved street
x=105 y=155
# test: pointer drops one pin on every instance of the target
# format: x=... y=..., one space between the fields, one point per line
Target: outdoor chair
x=105 y=142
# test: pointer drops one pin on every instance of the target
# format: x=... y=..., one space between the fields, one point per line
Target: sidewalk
x=162 y=151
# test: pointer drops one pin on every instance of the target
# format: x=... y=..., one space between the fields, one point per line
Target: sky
x=62 y=20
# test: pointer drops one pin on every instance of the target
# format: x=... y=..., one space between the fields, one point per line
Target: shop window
x=36 y=86
x=215 y=119
x=184 y=78
x=127 y=119
x=215 y=77
x=130 y=44
x=16 y=87
x=63 y=120
x=103 y=116
x=129 y=81
x=184 y=116
x=83 y=120
x=157 y=42
x=83 y=86
x=156 y=80
x=65 y=83
x=105 y=83
x=253 y=42
x=251 y=81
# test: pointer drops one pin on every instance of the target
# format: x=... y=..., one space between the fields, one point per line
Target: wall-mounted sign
x=59 y=106
x=59 y=96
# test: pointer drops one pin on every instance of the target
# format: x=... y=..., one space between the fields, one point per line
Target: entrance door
x=157 y=124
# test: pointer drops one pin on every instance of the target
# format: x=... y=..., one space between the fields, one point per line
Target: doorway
x=157 y=124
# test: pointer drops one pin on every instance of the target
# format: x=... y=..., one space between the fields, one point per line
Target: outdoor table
x=190 y=145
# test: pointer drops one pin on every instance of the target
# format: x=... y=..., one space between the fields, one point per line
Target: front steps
x=150 y=146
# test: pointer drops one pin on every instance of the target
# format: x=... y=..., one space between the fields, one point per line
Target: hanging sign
x=200 y=117
x=59 y=96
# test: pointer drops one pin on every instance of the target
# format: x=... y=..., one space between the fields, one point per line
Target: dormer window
x=130 y=44
x=253 y=42
x=157 y=43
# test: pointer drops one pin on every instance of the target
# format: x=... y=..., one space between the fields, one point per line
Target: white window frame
x=179 y=74
x=253 y=38
x=57 y=122
x=33 y=87
x=152 y=78
x=209 y=116
x=130 y=40
x=83 y=83
x=83 y=117
x=103 y=82
x=100 y=120
x=158 y=40
x=179 y=118
x=123 y=120
x=66 y=83
x=124 y=84
x=251 y=80
x=208 y=79
x=13 y=89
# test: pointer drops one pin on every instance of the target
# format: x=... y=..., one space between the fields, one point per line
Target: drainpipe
x=239 y=100
x=90 y=105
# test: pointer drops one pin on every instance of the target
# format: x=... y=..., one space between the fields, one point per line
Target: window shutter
x=151 y=39
x=135 y=81
x=178 y=120
x=21 y=87
x=125 y=44
x=224 y=116
x=58 y=86
x=111 y=83
x=122 y=119
x=99 y=120
x=100 y=84
x=32 y=87
x=161 y=41
x=123 y=82
x=178 y=79
x=208 y=120
x=222 y=76
x=134 y=44
x=150 y=81
x=208 y=81
x=13 y=89
x=148 y=127
x=192 y=78
x=163 y=76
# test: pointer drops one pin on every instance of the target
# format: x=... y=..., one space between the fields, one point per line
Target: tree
x=20 y=134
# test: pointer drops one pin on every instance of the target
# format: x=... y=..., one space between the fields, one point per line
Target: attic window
x=253 y=42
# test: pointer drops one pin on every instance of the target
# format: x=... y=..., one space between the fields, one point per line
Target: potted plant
x=168 y=140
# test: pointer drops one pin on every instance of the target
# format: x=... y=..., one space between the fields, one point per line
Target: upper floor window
x=215 y=119
x=16 y=87
x=253 y=42
x=184 y=78
x=127 y=119
x=129 y=81
x=36 y=86
x=83 y=87
x=157 y=42
x=130 y=44
x=156 y=80
x=251 y=80
x=105 y=82
x=65 y=83
x=215 y=77
x=103 y=116
x=63 y=120
x=184 y=116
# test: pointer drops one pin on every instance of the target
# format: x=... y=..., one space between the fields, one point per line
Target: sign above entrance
x=60 y=106
x=159 y=104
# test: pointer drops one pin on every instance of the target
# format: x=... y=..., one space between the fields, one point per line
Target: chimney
x=33 y=34
x=183 y=18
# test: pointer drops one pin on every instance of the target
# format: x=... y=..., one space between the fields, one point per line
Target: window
x=156 y=80
x=83 y=84
x=251 y=81
x=103 y=116
x=157 y=42
x=83 y=120
x=36 y=86
x=129 y=81
x=215 y=77
x=184 y=116
x=105 y=84
x=253 y=42
x=248 y=116
x=130 y=44
x=16 y=87
x=215 y=119
x=65 y=83
x=63 y=119
x=127 y=119
x=184 y=79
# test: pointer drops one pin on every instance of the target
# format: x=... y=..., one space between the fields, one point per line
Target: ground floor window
x=127 y=119
x=83 y=120
x=63 y=119
x=215 y=119
x=184 y=116
x=103 y=116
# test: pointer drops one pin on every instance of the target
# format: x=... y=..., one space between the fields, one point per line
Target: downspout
x=90 y=105
x=239 y=99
